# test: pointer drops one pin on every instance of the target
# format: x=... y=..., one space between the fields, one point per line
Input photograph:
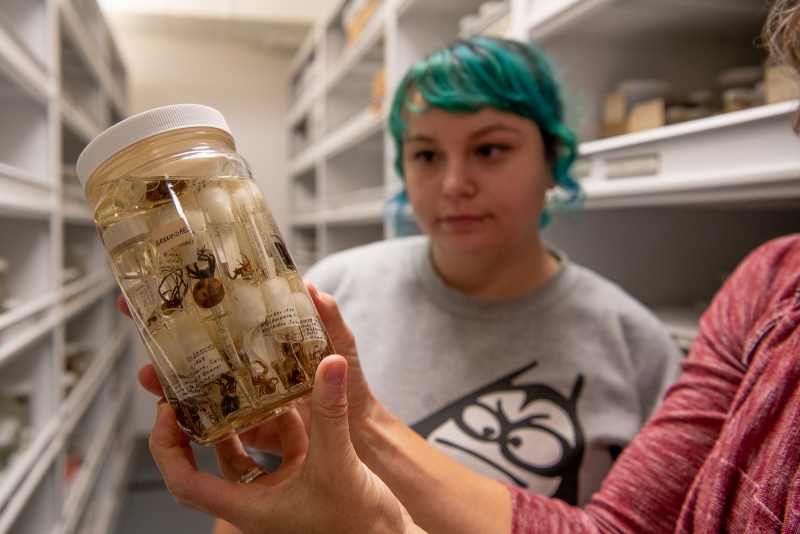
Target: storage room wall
x=246 y=83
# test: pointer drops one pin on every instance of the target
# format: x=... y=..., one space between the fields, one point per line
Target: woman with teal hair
x=515 y=362
x=501 y=353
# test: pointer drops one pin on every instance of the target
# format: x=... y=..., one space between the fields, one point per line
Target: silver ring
x=251 y=474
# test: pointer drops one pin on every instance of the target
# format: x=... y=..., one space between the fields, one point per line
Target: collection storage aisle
x=672 y=205
x=65 y=373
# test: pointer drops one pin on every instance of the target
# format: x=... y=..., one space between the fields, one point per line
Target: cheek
x=422 y=202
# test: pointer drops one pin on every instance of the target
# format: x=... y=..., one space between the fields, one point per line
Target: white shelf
x=746 y=155
x=23 y=192
x=48 y=48
x=623 y=21
x=25 y=474
x=78 y=122
x=485 y=22
x=306 y=160
x=358 y=208
x=17 y=64
x=358 y=212
x=300 y=108
x=79 y=35
x=782 y=110
x=110 y=504
x=77 y=212
x=90 y=469
x=76 y=297
x=356 y=51
x=359 y=127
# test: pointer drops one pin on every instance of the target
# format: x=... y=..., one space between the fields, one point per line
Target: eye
x=424 y=156
x=535 y=447
x=481 y=421
x=491 y=150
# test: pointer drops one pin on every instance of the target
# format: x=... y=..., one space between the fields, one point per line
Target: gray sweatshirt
x=542 y=390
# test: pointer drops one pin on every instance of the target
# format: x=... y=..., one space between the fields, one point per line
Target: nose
x=458 y=180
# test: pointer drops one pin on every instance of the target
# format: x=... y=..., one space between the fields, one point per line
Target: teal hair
x=481 y=72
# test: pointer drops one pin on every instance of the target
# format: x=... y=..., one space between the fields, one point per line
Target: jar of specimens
x=230 y=328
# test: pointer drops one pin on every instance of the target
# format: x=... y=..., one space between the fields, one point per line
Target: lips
x=462 y=220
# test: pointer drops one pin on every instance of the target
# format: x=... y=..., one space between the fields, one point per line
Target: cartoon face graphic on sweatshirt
x=525 y=434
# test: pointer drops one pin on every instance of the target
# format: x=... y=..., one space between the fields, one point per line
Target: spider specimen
x=160 y=190
x=284 y=252
x=265 y=386
x=208 y=291
x=245 y=269
x=172 y=297
x=188 y=416
x=294 y=374
x=227 y=388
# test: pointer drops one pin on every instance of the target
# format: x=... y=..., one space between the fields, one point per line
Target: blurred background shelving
x=676 y=193
x=65 y=373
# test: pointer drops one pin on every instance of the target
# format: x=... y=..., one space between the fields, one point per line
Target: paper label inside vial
x=146 y=299
x=177 y=258
x=285 y=324
x=207 y=363
x=227 y=245
x=266 y=331
x=227 y=340
x=258 y=245
x=171 y=235
x=186 y=388
x=311 y=329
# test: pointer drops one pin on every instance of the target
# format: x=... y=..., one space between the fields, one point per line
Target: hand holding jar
x=321 y=485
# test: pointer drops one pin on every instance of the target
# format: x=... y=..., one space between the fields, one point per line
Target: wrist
x=370 y=429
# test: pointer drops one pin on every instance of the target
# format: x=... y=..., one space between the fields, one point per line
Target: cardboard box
x=782 y=83
x=615 y=107
x=647 y=115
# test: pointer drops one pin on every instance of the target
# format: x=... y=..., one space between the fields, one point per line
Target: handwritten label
x=186 y=388
x=172 y=235
x=285 y=324
x=146 y=298
x=207 y=363
x=227 y=245
x=227 y=342
x=311 y=329
x=258 y=246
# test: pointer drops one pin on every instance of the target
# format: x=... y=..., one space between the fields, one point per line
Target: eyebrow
x=482 y=131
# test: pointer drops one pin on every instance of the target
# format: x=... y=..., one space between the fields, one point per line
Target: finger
x=329 y=444
x=294 y=437
x=264 y=437
x=191 y=488
x=122 y=304
x=232 y=459
x=149 y=380
x=340 y=334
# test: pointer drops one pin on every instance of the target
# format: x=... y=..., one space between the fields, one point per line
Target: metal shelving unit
x=64 y=352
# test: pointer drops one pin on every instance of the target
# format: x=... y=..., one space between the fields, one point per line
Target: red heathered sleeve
x=647 y=486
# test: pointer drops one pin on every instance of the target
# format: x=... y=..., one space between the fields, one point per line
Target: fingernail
x=334 y=375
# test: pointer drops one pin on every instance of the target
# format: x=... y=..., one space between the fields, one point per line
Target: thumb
x=330 y=433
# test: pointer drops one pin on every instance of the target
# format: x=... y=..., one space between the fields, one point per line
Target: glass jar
x=227 y=321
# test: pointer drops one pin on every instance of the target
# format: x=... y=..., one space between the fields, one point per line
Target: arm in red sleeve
x=646 y=489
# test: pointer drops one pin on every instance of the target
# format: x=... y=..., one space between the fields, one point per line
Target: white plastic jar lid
x=144 y=125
